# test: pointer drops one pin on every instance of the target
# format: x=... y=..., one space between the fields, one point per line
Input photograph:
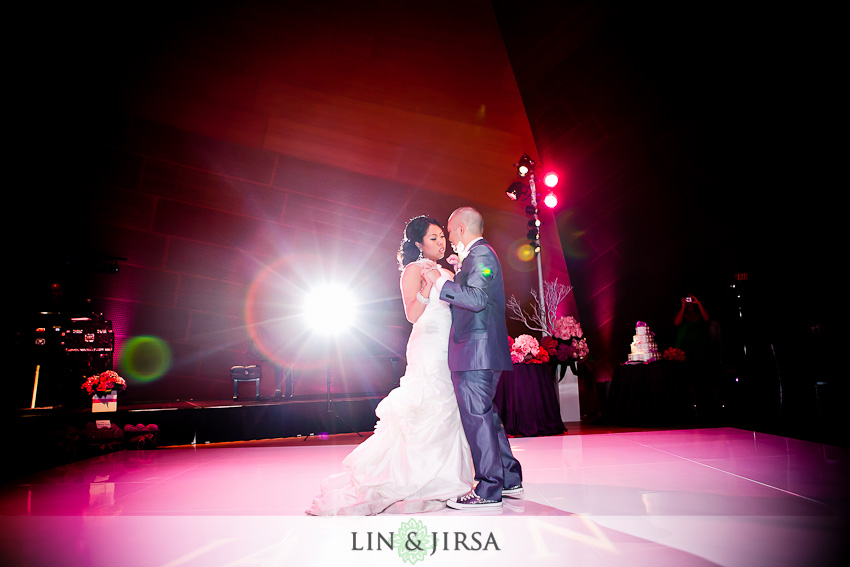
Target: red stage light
x=551 y=200
x=551 y=179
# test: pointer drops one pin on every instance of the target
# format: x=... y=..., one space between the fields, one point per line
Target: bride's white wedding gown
x=418 y=456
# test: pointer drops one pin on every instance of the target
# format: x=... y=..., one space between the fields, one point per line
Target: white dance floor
x=662 y=498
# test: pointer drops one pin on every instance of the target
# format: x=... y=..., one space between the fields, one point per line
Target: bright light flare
x=551 y=200
x=145 y=358
x=330 y=310
x=550 y=179
x=525 y=253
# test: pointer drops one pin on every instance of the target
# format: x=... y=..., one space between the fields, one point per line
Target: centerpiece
x=563 y=339
x=103 y=389
x=526 y=350
x=567 y=342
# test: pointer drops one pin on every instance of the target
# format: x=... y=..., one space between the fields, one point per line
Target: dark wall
x=232 y=154
x=695 y=145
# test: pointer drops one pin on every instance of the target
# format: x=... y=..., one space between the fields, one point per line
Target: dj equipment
x=88 y=336
x=66 y=351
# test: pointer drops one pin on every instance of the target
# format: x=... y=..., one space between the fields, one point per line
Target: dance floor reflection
x=680 y=498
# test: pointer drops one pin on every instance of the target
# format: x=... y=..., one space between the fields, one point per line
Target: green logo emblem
x=413 y=541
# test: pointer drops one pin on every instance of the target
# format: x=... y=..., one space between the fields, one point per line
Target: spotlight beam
x=329 y=310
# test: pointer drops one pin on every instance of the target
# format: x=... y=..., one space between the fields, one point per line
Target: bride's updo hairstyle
x=414 y=233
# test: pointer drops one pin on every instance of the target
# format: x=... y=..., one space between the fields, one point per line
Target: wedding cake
x=644 y=348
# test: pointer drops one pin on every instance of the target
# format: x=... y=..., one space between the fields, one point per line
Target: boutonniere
x=454 y=261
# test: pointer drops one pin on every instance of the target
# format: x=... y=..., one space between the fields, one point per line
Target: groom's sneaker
x=513 y=491
x=472 y=501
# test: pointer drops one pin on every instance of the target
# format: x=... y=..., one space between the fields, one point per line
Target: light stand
x=329 y=310
x=525 y=169
x=541 y=301
x=331 y=410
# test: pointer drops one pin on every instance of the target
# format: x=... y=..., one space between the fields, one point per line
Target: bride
x=418 y=456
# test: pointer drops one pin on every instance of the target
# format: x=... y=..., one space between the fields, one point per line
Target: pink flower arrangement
x=568 y=342
x=523 y=346
x=103 y=383
x=526 y=350
x=526 y=344
x=566 y=328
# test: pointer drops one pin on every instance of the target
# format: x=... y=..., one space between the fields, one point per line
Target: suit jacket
x=479 y=334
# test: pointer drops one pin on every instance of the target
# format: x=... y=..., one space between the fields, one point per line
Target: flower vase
x=568 y=399
x=106 y=402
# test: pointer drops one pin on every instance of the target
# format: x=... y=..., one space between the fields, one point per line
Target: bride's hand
x=428 y=265
x=430 y=276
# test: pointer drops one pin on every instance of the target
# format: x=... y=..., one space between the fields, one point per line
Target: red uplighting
x=551 y=200
x=550 y=179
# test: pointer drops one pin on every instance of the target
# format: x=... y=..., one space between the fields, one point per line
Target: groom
x=478 y=353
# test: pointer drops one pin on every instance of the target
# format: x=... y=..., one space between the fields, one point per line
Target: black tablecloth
x=527 y=401
x=649 y=394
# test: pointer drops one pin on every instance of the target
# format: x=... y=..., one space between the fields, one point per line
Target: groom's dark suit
x=478 y=353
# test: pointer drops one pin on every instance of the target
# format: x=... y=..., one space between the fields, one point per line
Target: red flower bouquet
x=673 y=353
x=104 y=383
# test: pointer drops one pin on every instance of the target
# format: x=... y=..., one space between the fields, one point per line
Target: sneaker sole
x=513 y=494
x=459 y=506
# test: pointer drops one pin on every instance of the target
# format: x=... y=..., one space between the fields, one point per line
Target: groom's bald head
x=470 y=219
x=465 y=225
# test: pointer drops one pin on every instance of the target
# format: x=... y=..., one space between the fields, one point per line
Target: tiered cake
x=644 y=348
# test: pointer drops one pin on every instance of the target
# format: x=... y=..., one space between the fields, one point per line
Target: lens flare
x=272 y=308
x=330 y=309
x=519 y=256
x=145 y=358
x=525 y=253
x=299 y=304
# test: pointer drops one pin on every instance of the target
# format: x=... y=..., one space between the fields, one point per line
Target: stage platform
x=701 y=497
x=46 y=437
